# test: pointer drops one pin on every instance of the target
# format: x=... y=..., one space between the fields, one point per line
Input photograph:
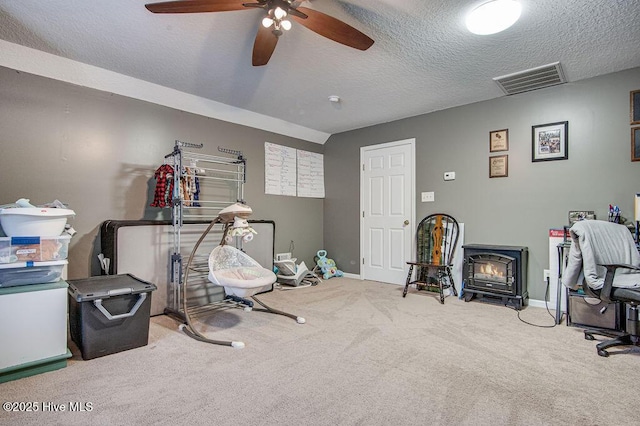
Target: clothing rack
x=226 y=177
x=219 y=182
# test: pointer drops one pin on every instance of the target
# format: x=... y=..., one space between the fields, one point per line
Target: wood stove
x=496 y=271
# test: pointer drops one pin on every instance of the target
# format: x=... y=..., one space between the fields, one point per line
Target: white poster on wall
x=310 y=174
x=279 y=170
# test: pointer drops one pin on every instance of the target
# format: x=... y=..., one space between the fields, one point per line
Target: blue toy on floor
x=327 y=266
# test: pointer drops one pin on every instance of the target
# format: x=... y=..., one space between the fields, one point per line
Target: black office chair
x=607 y=256
x=436 y=240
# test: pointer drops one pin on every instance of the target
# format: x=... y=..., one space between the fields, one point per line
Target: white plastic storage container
x=47 y=222
x=34 y=249
x=23 y=273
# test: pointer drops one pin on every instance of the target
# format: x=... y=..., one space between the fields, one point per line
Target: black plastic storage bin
x=109 y=314
x=584 y=311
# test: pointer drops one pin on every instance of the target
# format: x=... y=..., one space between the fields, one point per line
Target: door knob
x=406 y=222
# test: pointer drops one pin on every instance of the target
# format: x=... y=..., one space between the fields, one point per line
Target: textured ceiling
x=423 y=58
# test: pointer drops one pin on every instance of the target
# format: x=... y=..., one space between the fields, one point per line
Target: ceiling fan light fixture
x=493 y=16
x=279 y=13
x=273 y=22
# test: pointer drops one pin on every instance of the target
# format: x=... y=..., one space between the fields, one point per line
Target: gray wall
x=516 y=210
x=97 y=152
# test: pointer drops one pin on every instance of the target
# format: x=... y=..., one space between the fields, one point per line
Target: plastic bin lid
x=36 y=238
x=105 y=286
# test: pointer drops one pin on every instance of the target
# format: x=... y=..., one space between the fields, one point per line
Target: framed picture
x=635 y=107
x=550 y=141
x=635 y=144
x=499 y=166
x=499 y=140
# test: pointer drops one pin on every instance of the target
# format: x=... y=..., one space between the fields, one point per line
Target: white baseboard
x=354 y=276
x=542 y=304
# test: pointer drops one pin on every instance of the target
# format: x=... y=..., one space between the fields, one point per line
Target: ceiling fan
x=275 y=21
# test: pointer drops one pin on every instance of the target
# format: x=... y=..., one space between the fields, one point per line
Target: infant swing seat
x=231 y=268
x=238 y=273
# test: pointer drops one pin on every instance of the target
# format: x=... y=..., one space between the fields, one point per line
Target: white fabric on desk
x=595 y=243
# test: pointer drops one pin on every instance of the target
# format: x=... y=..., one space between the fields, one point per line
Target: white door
x=387 y=188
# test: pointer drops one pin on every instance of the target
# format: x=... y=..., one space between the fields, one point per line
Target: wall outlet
x=547 y=274
x=428 y=196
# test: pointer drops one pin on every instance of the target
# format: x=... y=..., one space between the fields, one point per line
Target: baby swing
x=239 y=274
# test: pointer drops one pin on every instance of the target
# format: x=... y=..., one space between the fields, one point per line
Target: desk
x=618 y=312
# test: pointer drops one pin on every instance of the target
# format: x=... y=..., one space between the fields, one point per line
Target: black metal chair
x=436 y=240
x=619 y=263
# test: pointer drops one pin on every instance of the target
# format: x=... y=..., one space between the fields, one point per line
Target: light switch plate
x=449 y=175
x=428 y=196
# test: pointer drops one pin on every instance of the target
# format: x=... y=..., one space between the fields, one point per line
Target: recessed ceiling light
x=493 y=16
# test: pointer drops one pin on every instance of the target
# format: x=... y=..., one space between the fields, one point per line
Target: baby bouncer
x=240 y=275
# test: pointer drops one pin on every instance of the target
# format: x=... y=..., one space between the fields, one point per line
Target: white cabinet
x=33 y=329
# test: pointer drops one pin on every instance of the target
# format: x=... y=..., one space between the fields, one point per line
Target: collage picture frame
x=550 y=141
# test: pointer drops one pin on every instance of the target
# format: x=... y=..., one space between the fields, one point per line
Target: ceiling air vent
x=532 y=79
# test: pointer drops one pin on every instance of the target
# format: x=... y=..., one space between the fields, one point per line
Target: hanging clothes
x=186 y=188
x=196 y=192
x=164 y=186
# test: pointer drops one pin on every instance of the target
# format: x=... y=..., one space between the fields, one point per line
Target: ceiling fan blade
x=332 y=28
x=264 y=46
x=195 y=6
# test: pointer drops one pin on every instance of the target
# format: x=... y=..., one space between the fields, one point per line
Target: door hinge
x=363 y=167
x=362 y=213
x=363 y=260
